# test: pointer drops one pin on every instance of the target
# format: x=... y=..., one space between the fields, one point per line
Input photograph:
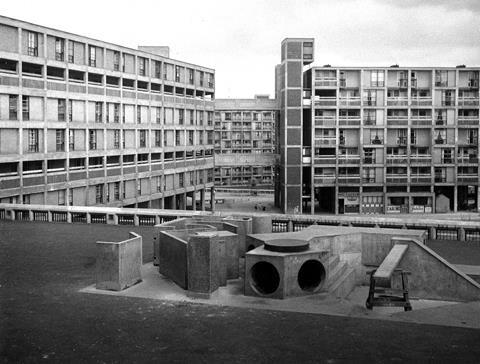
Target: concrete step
x=335 y=272
x=344 y=284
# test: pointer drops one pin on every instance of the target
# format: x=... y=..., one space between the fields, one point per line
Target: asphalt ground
x=43 y=317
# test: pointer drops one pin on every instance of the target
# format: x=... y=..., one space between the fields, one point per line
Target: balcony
x=468 y=160
x=352 y=120
x=349 y=101
x=468 y=120
x=420 y=159
x=325 y=141
x=325 y=120
x=325 y=101
x=326 y=82
x=396 y=120
x=421 y=178
x=397 y=178
x=369 y=121
x=421 y=101
x=325 y=159
x=397 y=159
x=349 y=159
x=348 y=179
x=448 y=101
x=324 y=179
x=376 y=141
x=369 y=101
x=367 y=180
x=467 y=178
x=421 y=120
x=397 y=101
x=468 y=101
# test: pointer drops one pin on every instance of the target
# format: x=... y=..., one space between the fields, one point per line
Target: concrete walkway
x=444 y=313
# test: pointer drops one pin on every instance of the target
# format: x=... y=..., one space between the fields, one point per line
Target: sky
x=241 y=39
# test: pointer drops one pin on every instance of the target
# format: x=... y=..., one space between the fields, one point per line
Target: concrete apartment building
x=376 y=139
x=245 y=142
x=85 y=122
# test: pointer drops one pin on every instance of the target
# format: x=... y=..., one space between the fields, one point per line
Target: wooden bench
x=384 y=274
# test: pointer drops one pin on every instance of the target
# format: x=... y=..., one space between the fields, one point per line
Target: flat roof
x=246 y=104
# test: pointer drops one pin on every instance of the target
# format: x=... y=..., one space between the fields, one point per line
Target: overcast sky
x=241 y=39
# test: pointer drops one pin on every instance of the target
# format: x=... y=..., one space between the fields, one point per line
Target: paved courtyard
x=45 y=318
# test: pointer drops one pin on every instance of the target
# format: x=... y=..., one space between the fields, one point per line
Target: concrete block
x=172 y=258
x=119 y=263
x=262 y=224
x=232 y=242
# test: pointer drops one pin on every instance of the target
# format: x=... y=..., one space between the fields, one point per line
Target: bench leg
x=408 y=306
x=371 y=292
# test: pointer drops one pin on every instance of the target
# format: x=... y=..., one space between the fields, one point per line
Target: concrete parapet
x=119 y=263
x=262 y=224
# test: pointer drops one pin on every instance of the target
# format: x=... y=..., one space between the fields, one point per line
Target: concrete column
x=157 y=220
x=184 y=202
x=455 y=198
x=290 y=226
x=432 y=232
x=162 y=203
x=135 y=220
x=89 y=218
x=261 y=224
x=194 y=200
x=212 y=198
x=461 y=234
x=30 y=215
x=69 y=217
x=202 y=199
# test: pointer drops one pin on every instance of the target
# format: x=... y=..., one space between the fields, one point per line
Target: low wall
x=172 y=258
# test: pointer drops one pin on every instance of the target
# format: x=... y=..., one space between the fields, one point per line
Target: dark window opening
x=9 y=168
x=112 y=81
x=77 y=163
x=55 y=72
x=78 y=76
x=32 y=166
x=8 y=65
x=142 y=85
x=156 y=87
x=32 y=69
x=128 y=83
x=95 y=78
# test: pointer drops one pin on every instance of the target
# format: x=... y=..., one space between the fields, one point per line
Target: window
x=70 y=197
x=71 y=139
x=447 y=155
x=177 y=73
x=201 y=79
x=159 y=183
x=158 y=69
x=99 y=193
x=123 y=113
x=25 y=107
x=142 y=66
x=413 y=136
x=177 y=137
x=143 y=138
x=116 y=191
x=61 y=109
x=116 y=139
x=190 y=137
x=59 y=49
x=71 y=51
x=139 y=114
x=200 y=117
x=98 y=111
x=61 y=198
x=181 y=179
x=92 y=56
x=60 y=140
x=116 y=61
x=124 y=189
x=377 y=78
x=123 y=64
x=13 y=107
x=116 y=113
x=123 y=139
x=158 y=138
x=210 y=118
x=190 y=76
x=32 y=49
x=70 y=110
x=191 y=117
x=139 y=187
x=33 y=140
x=181 y=117
x=92 y=139
x=158 y=117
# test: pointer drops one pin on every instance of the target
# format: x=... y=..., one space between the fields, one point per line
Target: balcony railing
x=421 y=101
x=420 y=159
x=468 y=120
x=468 y=101
x=349 y=120
x=421 y=119
x=397 y=120
x=350 y=101
x=397 y=159
x=348 y=179
x=325 y=141
x=325 y=101
x=420 y=178
x=467 y=178
x=376 y=140
x=397 y=101
x=397 y=178
x=348 y=159
x=325 y=159
x=325 y=120
x=325 y=179
x=468 y=160
x=326 y=82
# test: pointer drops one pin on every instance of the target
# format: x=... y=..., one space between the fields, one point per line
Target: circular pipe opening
x=311 y=275
x=265 y=278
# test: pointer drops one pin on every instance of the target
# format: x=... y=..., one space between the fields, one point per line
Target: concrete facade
x=118 y=264
x=375 y=140
x=85 y=122
x=244 y=141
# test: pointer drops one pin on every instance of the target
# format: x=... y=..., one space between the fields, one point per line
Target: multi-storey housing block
x=85 y=122
x=245 y=142
x=376 y=139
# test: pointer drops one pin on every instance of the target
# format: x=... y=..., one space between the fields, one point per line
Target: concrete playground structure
x=119 y=263
x=336 y=259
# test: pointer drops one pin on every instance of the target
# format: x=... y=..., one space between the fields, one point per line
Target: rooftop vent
x=461 y=66
x=394 y=66
x=326 y=65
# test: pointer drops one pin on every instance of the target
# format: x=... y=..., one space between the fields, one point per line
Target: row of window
x=245 y=115
x=65 y=108
x=117 y=60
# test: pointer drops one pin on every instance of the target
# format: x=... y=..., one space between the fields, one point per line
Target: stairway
x=340 y=277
